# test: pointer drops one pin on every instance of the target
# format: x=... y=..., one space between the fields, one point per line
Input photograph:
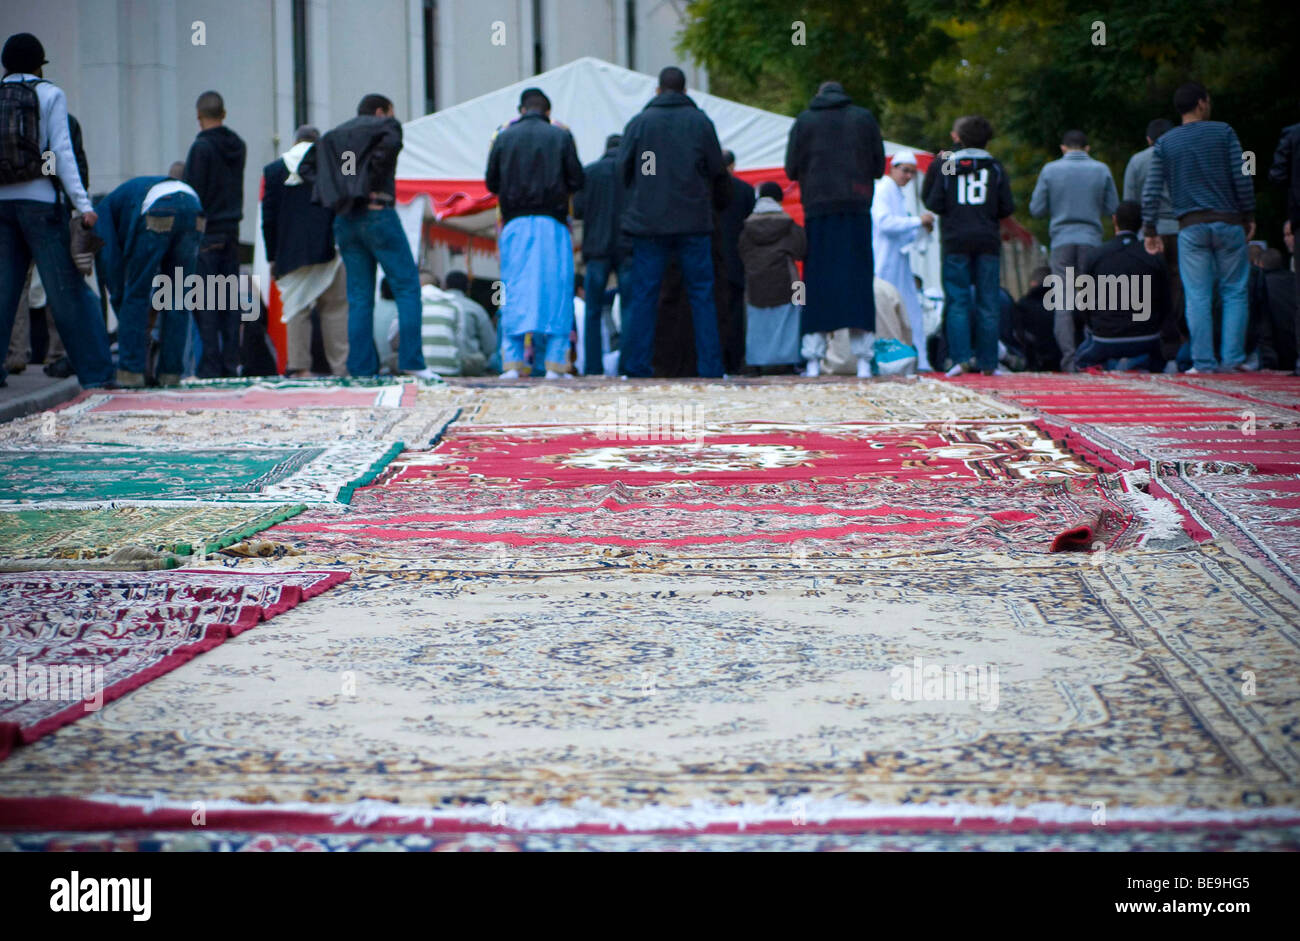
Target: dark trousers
x=218 y=328
x=1094 y=350
x=650 y=257
x=733 y=329
x=32 y=230
x=598 y=271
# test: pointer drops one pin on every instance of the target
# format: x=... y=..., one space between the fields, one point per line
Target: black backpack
x=20 y=132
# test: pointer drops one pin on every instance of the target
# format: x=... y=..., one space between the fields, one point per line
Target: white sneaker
x=814 y=368
x=864 y=368
x=956 y=370
x=510 y=374
x=426 y=374
x=552 y=374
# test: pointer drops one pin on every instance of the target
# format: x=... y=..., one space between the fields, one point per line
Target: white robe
x=893 y=230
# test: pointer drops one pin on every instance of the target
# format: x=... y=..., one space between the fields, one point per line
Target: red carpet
x=540 y=457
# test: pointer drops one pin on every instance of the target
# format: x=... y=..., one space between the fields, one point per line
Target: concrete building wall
x=132 y=69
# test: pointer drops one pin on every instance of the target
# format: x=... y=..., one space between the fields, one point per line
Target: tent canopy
x=445 y=154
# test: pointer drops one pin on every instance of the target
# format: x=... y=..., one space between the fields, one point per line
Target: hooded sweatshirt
x=970 y=198
x=770 y=243
x=836 y=154
x=215 y=168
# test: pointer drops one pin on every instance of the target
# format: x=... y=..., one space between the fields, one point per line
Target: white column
x=318 y=65
x=444 y=56
x=415 y=58
x=525 y=9
x=282 y=72
x=620 y=32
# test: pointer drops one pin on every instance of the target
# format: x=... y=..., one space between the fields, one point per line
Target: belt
x=1202 y=216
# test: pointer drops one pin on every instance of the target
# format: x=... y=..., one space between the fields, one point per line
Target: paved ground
x=33 y=391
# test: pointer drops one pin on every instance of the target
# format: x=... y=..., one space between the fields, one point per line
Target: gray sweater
x=1135 y=178
x=1075 y=192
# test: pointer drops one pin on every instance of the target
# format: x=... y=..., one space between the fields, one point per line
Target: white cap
x=902 y=157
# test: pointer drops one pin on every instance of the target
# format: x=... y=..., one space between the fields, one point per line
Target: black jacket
x=599 y=204
x=297 y=230
x=533 y=168
x=739 y=206
x=215 y=169
x=371 y=144
x=836 y=154
x=671 y=163
x=970 y=199
x=1286 y=172
x=1125 y=255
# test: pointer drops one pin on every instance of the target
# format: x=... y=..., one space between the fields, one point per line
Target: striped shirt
x=1202 y=165
x=439 y=320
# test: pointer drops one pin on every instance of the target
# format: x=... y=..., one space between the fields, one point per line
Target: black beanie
x=23 y=52
x=772 y=191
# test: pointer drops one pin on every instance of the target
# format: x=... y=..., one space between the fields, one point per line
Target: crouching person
x=1130 y=298
x=151 y=226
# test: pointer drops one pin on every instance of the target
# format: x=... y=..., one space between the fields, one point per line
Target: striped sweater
x=1202 y=165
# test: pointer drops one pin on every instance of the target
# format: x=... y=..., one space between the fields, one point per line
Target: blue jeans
x=218 y=328
x=364 y=239
x=598 y=270
x=32 y=230
x=960 y=271
x=1212 y=253
x=650 y=257
x=1095 y=350
x=153 y=253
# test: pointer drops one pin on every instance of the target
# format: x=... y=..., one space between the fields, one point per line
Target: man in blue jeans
x=1201 y=163
x=605 y=249
x=34 y=223
x=353 y=169
x=151 y=226
x=671 y=163
x=971 y=192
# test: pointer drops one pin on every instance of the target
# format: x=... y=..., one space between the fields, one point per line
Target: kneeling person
x=1130 y=327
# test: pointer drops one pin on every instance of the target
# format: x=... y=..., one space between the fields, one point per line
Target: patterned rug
x=1095 y=839
x=418 y=427
x=1258 y=513
x=252 y=397
x=799 y=519
x=1121 y=399
x=1152 y=687
x=70 y=644
x=76 y=476
x=572 y=456
x=1269 y=388
x=1235 y=448
x=695 y=402
x=97 y=534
